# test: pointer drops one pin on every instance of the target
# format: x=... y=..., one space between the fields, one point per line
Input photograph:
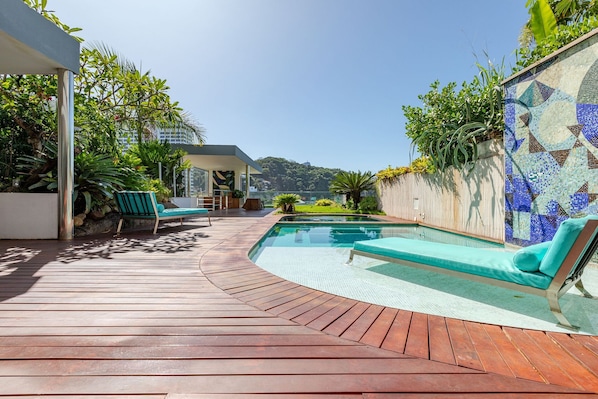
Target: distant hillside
x=284 y=175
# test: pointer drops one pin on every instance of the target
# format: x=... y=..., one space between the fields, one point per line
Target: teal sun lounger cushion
x=562 y=242
x=482 y=262
x=528 y=259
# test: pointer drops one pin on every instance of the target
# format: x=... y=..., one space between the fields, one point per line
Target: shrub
x=325 y=202
x=423 y=165
x=392 y=173
x=368 y=204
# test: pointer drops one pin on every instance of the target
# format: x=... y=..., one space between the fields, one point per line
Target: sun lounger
x=143 y=205
x=548 y=269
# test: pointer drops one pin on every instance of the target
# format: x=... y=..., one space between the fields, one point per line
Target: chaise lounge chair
x=143 y=205
x=548 y=269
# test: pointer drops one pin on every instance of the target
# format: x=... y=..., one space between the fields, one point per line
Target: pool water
x=328 y=218
x=297 y=235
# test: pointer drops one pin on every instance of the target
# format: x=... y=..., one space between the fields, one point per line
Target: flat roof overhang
x=30 y=44
x=219 y=157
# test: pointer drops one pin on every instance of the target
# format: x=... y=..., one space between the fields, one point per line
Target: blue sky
x=307 y=80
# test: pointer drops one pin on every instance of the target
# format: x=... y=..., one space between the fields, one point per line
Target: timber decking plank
x=418 y=338
x=328 y=304
x=574 y=370
x=360 y=326
x=463 y=348
x=331 y=315
x=330 y=383
x=379 y=329
x=396 y=339
x=548 y=367
x=290 y=305
x=441 y=349
x=519 y=364
x=489 y=355
x=306 y=307
x=342 y=323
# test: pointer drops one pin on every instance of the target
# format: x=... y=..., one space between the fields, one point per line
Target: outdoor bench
x=548 y=269
x=144 y=205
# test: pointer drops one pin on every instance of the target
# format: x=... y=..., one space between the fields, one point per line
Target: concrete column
x=66 y=165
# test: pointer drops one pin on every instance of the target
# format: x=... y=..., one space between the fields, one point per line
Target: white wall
x=472 y=204
x=28 y=216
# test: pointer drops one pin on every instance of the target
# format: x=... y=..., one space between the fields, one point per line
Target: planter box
x=28 y=216
x=234 y=202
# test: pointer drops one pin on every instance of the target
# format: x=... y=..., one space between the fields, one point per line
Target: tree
x=352 y=184
x=138 y=102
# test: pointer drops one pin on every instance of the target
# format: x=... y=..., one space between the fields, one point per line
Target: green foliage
x=451 y=123
x=163 y=193
x=352 y=184
x=280 y=174
x=368 y=205
x=542 y=21
x=154 y=153
x=325 y=202
x=286 y=202
x=97 y=176
x=41 y=7
x=564 y=35
x=574 y=18
x=423 y=165
x=391 y=173
x=238 y=194
x=305 y=208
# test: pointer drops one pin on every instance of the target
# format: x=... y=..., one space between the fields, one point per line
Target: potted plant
x=235 y=200
x=286 y=202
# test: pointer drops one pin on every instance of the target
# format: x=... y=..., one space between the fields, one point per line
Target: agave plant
x=96 y=176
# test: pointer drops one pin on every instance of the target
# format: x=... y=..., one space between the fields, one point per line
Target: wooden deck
x=185 y=314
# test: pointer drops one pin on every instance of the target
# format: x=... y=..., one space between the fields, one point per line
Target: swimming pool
x=339 y=235
x=328 y=218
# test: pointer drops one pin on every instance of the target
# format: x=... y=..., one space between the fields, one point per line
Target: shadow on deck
x=185 y=314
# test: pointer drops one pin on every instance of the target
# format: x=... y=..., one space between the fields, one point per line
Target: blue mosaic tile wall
x=551 y=144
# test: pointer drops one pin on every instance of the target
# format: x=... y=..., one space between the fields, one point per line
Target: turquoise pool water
x=329 y=218
x=338 y=235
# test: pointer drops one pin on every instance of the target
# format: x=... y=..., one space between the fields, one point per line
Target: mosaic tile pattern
x=551 y=145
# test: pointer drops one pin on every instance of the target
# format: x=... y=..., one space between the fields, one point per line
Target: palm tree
x=352 y=184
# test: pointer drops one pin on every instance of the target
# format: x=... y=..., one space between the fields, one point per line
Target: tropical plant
x=137 y=102
x=155 y=154
x=451 y=123
x=238 y=194
x=286 y=202
x=368 y=205
x=552 y=25
x=352 y=184
x=97 y=176
x=163 y=193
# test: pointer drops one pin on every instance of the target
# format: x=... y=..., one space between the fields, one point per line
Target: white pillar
x=66 y=164
x=247 y=181
x=210 y=182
